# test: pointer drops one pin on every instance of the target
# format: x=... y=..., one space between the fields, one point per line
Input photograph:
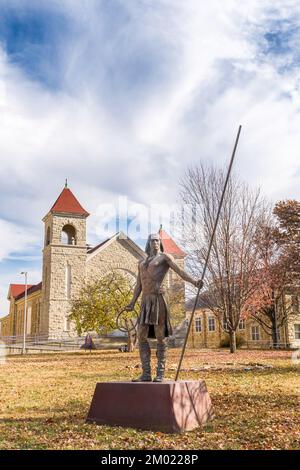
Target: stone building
x=208 y=332
x=67 y=263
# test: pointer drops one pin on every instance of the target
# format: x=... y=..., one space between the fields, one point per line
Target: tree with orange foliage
x=266 y=304
x=278 y=243
x=287 y=232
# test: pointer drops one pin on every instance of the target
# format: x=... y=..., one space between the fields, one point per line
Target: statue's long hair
x=148 y=249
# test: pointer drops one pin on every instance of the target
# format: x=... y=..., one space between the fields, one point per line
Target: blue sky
x=121 y=96
x=32 y=40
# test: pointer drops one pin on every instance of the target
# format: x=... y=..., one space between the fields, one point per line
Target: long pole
x=25 y=315
x=209 y=250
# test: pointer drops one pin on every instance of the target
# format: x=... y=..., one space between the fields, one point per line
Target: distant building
x=207 y=331
x=67 y=263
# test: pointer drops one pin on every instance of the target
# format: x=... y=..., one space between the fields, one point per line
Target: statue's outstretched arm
x=184 y=275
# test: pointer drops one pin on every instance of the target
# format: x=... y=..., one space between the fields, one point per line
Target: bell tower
x=64 y=262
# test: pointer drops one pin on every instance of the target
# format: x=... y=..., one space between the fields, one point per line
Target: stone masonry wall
x=57 y=222
x=58 y=303
x=56 y=258
x=292 y=320
x=5 y=327
x=33 y=320
x=116 y=256
x=213 y=339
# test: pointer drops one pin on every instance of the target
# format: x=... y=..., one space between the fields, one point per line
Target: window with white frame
x=48 y=236
x=225 y=325
x=255 y=333
x=211 y=324
x=198 y=326
x=242 y=324
x=297 y=330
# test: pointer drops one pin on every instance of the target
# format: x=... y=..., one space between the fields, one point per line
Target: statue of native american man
x=154 y=318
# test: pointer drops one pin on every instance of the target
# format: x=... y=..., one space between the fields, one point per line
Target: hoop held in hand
x=126 y=324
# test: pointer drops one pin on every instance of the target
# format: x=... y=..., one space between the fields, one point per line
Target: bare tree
x=234 y=257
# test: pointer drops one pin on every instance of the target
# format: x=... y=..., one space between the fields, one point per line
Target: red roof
x=67 y=203
x=30 y=290
x=17 y=289
x=169 y=245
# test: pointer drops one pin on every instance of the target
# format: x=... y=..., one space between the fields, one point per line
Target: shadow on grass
x=72 y=407
x=237 y=415
x=54 y=357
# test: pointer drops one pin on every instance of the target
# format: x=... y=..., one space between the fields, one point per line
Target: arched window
x=48 y=236
x=68 y=235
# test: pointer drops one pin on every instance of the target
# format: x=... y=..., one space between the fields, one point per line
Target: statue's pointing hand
x=129 y=307
x=199 y=284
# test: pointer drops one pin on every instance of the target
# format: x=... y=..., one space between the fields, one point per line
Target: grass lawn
x=44 y=400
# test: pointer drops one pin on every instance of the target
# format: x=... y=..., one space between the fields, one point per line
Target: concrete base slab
x=169 y=406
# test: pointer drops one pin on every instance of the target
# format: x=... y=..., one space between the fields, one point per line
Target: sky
x=120 y=97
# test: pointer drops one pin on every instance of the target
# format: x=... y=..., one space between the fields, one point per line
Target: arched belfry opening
x=68 y=235
x=48 y=235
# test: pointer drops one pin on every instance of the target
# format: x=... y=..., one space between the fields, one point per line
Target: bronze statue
x=154 y=318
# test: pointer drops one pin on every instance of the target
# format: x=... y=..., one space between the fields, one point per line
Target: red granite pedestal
x=167 y=407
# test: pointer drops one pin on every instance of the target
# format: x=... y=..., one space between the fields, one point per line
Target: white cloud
x=14 y=239
x=215 y=81
x=142 y=94
x=11 y=277
x=18 y=241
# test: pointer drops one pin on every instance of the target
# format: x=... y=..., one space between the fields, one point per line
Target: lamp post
x=25 y=314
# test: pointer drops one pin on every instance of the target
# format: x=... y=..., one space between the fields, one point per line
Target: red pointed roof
x=67 y=203
x=17 y=289
x=169 y=245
